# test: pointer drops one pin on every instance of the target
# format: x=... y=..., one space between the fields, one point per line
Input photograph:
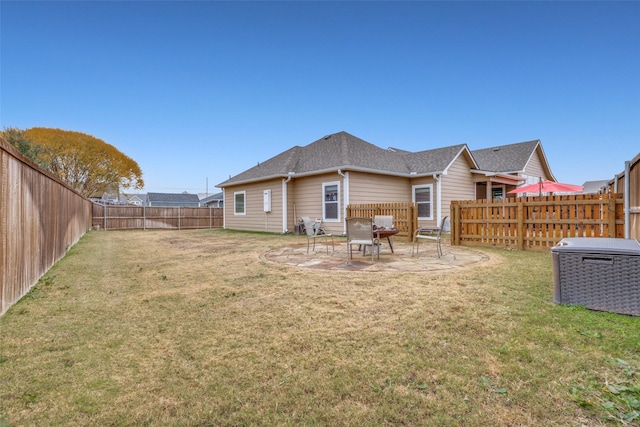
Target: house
x=213 y=201
x=319 y=180
x=525 y=160
x=134 y=199
x=595 y=187
x=173 y=199
x=119 y=199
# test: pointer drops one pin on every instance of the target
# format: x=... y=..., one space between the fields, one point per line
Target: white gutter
x=224 y=211
x=284 y=203
x=345 y=198
x=438 y=179
x=319 y=172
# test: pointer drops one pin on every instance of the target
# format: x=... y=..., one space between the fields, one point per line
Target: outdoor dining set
x=368 y=233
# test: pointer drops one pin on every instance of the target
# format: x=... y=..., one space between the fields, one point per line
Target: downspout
x=224 y=209
x=345 y=198
x=627 y=199
x=438 y=179
x=284 y=204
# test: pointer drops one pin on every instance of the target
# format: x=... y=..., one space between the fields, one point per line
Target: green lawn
x=194 y=328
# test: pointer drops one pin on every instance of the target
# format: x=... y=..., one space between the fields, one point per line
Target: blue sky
x=198 y=91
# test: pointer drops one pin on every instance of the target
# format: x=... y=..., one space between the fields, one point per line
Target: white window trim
x=235 y=212
x=324 y=215
x=502 y=188
x=413 y=197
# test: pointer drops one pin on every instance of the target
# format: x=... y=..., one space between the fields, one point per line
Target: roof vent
x=327 y=137
x=496 y=149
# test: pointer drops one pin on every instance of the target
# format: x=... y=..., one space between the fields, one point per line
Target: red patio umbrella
x=545 y=186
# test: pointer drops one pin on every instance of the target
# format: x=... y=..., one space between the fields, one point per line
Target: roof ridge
x=508 y=145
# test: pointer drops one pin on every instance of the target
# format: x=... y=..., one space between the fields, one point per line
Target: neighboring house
x=214 y=201
x=120 y=199
x=319 y=180
x=173 y=199
x=106 y=199
x=595 y=187
x=135 y=199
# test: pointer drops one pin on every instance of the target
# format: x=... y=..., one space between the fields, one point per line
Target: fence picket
x=536 y=222
x=152 y=217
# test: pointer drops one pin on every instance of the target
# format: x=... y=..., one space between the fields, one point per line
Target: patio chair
x=385 y=221
x=428 y=233
x=314 y=231
x=360 y=232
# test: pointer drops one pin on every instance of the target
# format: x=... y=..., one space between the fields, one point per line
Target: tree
x=84 y=162
x=19 y=141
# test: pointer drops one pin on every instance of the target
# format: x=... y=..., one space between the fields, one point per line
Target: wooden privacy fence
x=40 y=218
x=404 y=215
x=144 y=218
x=536 y=222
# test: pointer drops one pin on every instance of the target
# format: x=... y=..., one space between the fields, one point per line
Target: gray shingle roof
x=214 y=197
x=173 y=197
x=505 y=158
x=347 y=152
x=432 y=161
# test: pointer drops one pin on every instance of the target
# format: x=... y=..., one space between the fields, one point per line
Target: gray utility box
x=598 y=273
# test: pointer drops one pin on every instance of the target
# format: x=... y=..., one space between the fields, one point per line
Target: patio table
x=383 y=232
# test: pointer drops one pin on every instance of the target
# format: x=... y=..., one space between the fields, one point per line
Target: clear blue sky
x=198 y=91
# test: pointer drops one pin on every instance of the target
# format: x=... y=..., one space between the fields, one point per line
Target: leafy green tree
x=84 y=162
x=16 y=137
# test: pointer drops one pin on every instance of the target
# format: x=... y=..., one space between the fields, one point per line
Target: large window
x=331 y=201
x=423 y=198
x=240 y=203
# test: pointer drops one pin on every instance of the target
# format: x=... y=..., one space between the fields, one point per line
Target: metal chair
x=428 y=233
x=385 y=221
x=360 y=232
x=314 y=231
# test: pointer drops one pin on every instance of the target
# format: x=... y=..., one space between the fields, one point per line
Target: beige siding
x=371 y=188
x=534 y=167
x=255 y=218
x=426 y=181
x=457 y=184
x=305 y=198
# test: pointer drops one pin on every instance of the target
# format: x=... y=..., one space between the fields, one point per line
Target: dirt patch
x=401 y=259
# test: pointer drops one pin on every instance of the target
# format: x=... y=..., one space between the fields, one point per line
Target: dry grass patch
x=193 y=328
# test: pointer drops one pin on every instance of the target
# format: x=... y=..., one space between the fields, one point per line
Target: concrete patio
x=453 y=258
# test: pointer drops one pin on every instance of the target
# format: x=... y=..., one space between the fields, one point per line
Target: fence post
x=612 y=217
x=104 y=222
x=414 y=219
x=520 y=228
x=455 y=222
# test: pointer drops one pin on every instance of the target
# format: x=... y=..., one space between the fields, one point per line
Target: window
x=497 y=193
x=423 y=198
x=239 y=207
x=331 y=201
